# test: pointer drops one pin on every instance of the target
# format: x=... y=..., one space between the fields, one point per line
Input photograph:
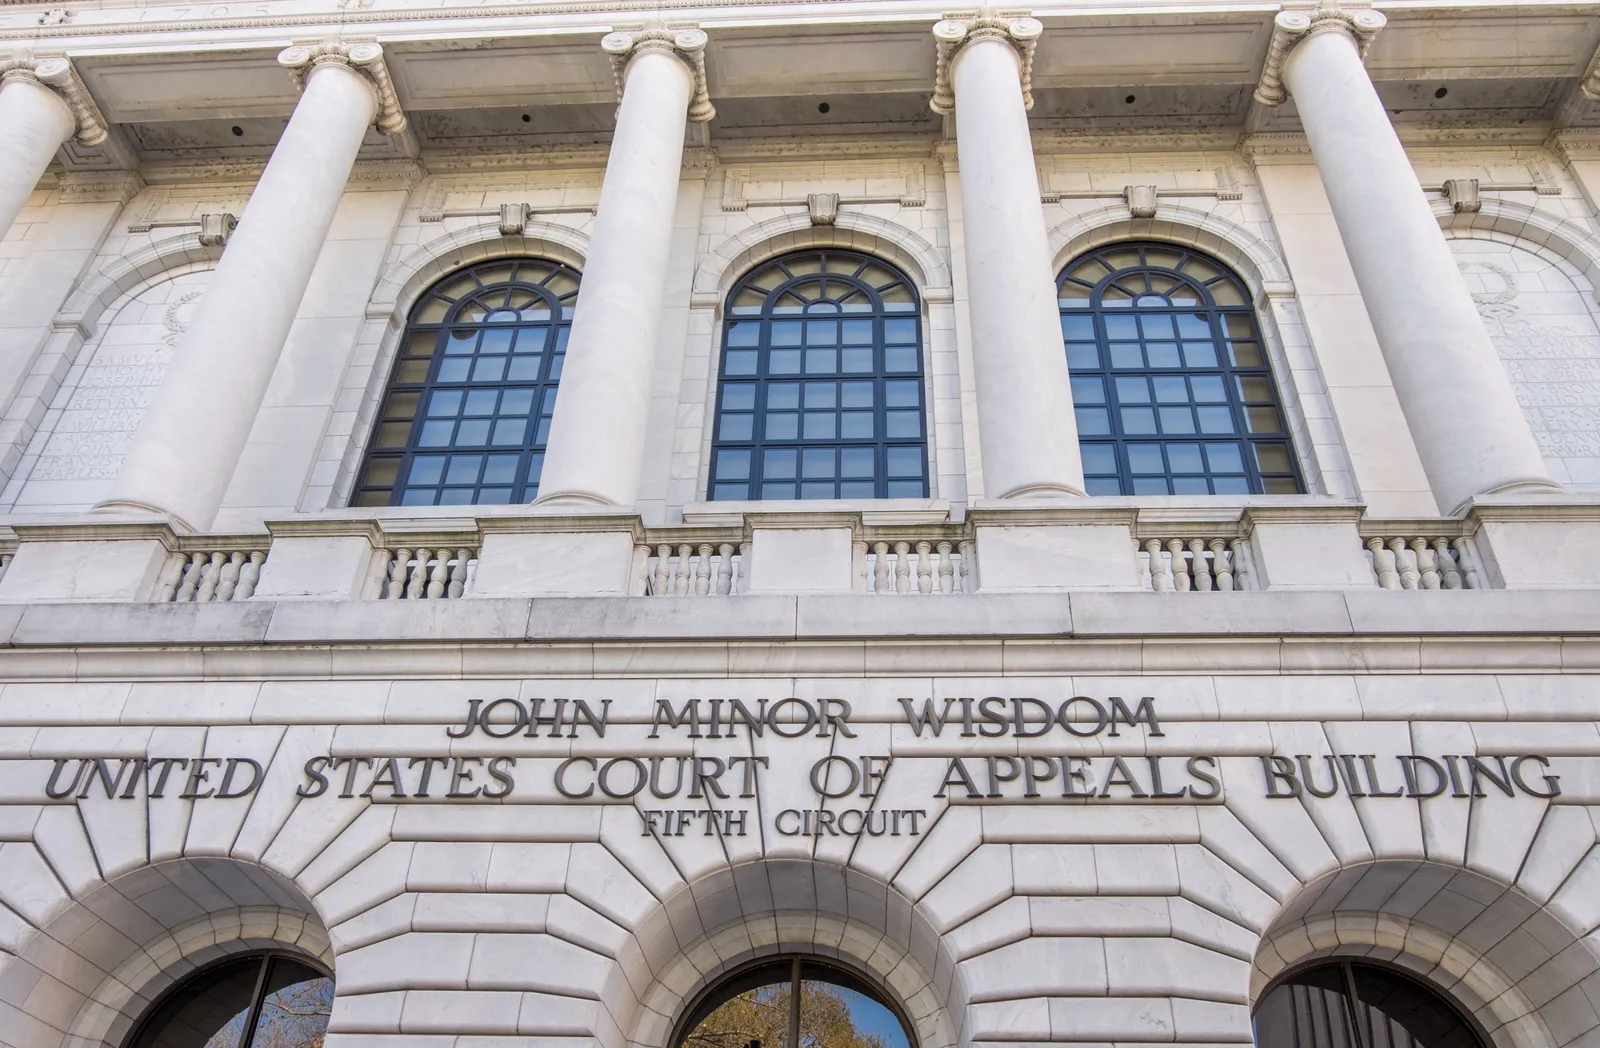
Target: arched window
x=821 y=383
x=767 y=1004
x=467 y=412
x=262 y=1000
x=1346 y=1004
x=1170 y=381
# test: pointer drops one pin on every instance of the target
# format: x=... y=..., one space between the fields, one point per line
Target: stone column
x=1026 y=427
x=596 y=448
x=42 y=104
x=193 y=434
x=1464 y=417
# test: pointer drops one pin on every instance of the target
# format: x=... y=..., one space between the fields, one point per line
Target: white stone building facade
x=1078 y=525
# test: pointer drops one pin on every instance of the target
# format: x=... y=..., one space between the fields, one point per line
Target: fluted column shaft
x=194 y=432
x=1469 y=430
x=595 y=451
x=34 y=122
x=1027 y=431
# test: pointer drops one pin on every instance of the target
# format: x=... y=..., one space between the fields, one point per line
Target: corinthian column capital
x=1016 y=28
x=688 y=43
x=364 y=59
x=56 y=73
x=1290 y=28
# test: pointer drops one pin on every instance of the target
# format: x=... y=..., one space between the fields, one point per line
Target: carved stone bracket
x=1290 y=27
x=514 y=218
x=1589 y=84
x=953 y=33
x=57 y=74
x=1141 y=200
x=687 y=42
x=214 y=229
x=365 y=59
x=1463 y=195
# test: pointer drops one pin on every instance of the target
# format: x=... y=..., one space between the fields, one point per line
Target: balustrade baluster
x=1199 y=567
x=658 y=582
x=725 y=569
x=399 y=573
x=1179 y=566
x=228 y=578
x=1445 y=562
x=924 y=567
x=1239 y=558
x=947 y=569
x=377 y=575
x=1221 y=568
x=191 y=578
x=458 y=573
x=1405 y=563
x=208 y=579
x=250 y=574
x=683 y=569
x=438 y=574
x=902 y=567
x=702 y=571
x=741 y=577
x=1427 y=572
x=880 y=569
x=1383 y=565
x=969 y=566
x=171 y=575
x=418 y=585
x=1160 y=576
x=1469 y=564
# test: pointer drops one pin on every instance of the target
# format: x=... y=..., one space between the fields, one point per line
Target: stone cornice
x=1268 y=148
x=1290 y=27
x=365 y=59
x=95 y=187
x=686 y=42
x=1572 y=145
x=56 y=73
x=1017 y=28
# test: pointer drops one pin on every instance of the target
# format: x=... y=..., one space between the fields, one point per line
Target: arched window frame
x=423 y=365
x=712 y=996
x=758 y=302
x=1127 y=447
x=1347 y=966
x=156 y=1008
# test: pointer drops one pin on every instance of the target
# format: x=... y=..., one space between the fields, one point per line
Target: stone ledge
x=853 y=617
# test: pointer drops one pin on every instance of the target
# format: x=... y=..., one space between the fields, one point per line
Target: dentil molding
x=57 y=74
x=365 y=59
x=1290 y=27
x=686 y=42
x=1017 y=28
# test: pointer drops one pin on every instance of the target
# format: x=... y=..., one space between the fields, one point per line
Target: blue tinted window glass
x=826 y=352
x=1144 y=326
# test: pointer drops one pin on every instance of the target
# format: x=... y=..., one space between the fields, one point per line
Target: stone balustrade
x=1426 y=557
x=211 y=574
x=939 y=564
x=1100 y=545
x=420 y=573
x=1196 y=559
x=704 y=566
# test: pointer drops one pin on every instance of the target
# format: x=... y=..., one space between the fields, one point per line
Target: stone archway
x=1509 y=961
x=768 y=907
x=86 y=975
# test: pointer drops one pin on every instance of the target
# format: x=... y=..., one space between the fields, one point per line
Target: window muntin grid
x=821 y=393
x=467 y=412
x=1171 y=385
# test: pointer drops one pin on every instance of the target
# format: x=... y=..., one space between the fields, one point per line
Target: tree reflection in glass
x=756 y=1008
x=278 y=1001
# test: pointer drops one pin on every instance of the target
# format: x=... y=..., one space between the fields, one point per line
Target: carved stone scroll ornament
x=57 y=74
x=688 y=43
x=1289 y=28
x=952 y=34
x=365 y=59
